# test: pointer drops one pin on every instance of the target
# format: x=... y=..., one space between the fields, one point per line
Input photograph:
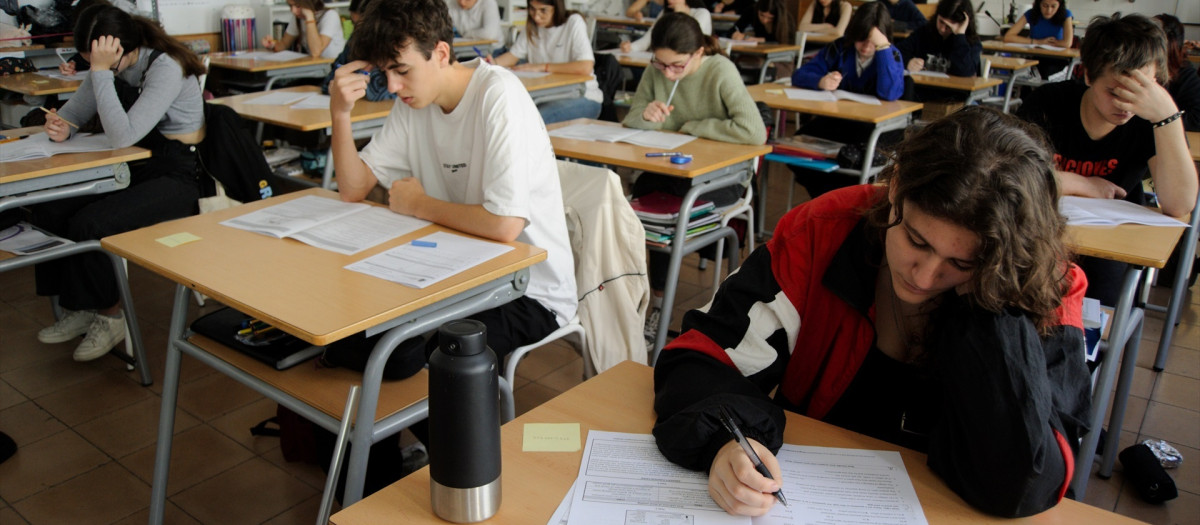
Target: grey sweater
x=169 y=101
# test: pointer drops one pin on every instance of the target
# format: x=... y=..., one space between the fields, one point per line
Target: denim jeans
x=567 y=109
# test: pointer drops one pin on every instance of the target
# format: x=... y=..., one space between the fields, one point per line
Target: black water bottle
x=464 y=424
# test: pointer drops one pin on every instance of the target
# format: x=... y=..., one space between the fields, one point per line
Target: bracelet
x=1169 y=119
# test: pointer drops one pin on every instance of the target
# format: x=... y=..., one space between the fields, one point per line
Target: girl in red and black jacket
x=937 y=311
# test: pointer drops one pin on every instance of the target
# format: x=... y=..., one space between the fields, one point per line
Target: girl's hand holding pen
x=656 y=111
x=268 y=43
x=56 y=128
x=830 y=81
x=736 y=486
x=67 y=67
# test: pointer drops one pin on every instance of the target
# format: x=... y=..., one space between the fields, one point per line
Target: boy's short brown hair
x=1122 y=44
x=389 y=26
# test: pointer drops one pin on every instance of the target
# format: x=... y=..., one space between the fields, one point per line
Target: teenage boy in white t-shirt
x=464 y=148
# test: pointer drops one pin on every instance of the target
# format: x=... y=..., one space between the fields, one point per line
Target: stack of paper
x=603 y=133
x=1082 y=211
x=623 y=478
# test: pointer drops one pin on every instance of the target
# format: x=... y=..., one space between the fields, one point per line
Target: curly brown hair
x=991 y=174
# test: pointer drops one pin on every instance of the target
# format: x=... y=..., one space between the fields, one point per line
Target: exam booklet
x=436 y=257
x=39 y=146
x=820 y=95
x=639 y=137
x=329 y=224
x=1083 y=211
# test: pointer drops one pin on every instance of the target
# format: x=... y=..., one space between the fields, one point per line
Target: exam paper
x=1110 y=212
x=282 y=220
x=77 y=76
x=360 y=230
x=530 y=74
x=930 y=74
x=283 y=56
x=279 y=98
x=419 y=267
x=314 y=101
x=819 y=95
x=39 y=146
x=603 y=133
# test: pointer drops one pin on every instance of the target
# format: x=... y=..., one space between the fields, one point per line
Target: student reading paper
x=142 y=85
x=496 y=179
x=938 y=311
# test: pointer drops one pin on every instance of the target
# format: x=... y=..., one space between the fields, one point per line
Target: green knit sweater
x=711 y=102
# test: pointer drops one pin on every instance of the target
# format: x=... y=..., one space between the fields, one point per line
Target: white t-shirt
x=699 y=13
x=328 y=24
x=555 y=45
x=491 y=150
x=482 y=21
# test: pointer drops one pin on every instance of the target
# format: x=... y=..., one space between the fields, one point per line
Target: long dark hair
x=867 y=17
x=561 y=14
x=955 y=10
x=1059 y=18
x=835 y=12
x=785 y=22
x=681 y=33
x=1174 y=31
x=134 y=32
x=992 y=174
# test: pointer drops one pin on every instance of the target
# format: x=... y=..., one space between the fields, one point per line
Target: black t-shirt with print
x=1120 y=157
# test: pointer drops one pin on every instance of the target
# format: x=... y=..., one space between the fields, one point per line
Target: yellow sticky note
x=551 y=437
x=774 y=91
x=177 y=239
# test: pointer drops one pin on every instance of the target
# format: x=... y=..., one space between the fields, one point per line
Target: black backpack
x=230 y=155
x=608 y=75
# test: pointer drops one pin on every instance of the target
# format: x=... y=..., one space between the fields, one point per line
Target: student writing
x=706 y=98
x=951 y=41
x=826 y=16
x=476 y=19
x=938 y=311
x=143 y=86
x=556 y=41
x=1107 y=130
x=318 y=29
x=694 y=8
x=772 y=21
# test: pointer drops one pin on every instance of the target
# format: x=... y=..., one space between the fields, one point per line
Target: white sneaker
x=103 y=334
x=650 y=330
x=72 y=325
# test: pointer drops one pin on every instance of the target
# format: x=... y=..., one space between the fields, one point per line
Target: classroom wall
x=1188 y=11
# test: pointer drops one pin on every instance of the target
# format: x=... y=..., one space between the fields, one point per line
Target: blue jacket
x=884 y=78
x=377 y=88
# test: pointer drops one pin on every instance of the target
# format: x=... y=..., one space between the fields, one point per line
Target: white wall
x=1188 y=11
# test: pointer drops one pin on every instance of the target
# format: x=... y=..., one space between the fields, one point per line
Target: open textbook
x=624 y=479
x=40 y=146
x=639 y=137
x=1083 y=211
x=820 y=95
x=329 y=224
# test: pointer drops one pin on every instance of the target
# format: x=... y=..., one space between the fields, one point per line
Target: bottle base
x=465 y=505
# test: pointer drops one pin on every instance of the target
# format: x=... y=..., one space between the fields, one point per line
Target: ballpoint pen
x=665 y=154
x=736 y=433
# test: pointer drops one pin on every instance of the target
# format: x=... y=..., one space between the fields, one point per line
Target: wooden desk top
x=303 y=290
x=462 y=42
x=628 y=61
x=1009 y=63
x=553 y=80
x=1193 y=138
x=1128 y=243
x=624 y=20
x=254 y=65
x=762 y=49
x=842 y=109
x=707 y=155
x=820 y=38
x=300 y=119
x=18 y=49
x=996 y=45
x=37 y=84
x=29 y=169
x=621 y=400
x=956 y=83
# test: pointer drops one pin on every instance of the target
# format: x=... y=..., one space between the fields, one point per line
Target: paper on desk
x=358 y=231
x=314 y=101
x=563 y=511
x=283 y=56
x=603 y=133
x=829 y=96
x=930 y=74
x=1082 y=211
x=279 y=98
x=419 y=267
x=77 y=76
x=39 y=146
x=23 y=239
x=282 y=220
x=842 y=486
x=252 y=55
x=530 y=74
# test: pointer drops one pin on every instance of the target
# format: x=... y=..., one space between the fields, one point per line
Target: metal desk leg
x=1118 y=337
x=1012 y=82
x=339 y=453
x=166 y=415
x=1124 y=383
x=131 y=321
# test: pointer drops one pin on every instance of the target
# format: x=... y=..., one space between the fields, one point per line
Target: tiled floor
x=86 y=431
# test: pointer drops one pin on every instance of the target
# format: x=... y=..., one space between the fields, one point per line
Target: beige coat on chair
x=609 y=245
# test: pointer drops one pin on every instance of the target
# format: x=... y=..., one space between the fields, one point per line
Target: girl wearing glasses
x=693 y=8
x=706 y=98
x=143 y=86
x=937 y=311
x=557 y=42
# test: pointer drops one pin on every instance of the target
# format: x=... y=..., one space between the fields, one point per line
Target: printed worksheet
x=429 y=259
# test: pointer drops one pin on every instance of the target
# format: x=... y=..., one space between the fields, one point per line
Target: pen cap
x=464 y=424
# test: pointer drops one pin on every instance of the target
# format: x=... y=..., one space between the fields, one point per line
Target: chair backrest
x=607 y=71
x=608 y=243
x=204 y=77
x=590 y=22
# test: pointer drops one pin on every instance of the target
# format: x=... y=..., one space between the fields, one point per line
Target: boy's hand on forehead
x=348 y=86
x=1142 y=95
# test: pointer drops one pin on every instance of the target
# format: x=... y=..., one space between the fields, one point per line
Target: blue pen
x=424 y=244
x=666 y=154
x=478 y=52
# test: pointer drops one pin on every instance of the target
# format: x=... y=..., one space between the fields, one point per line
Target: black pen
x=741 y=440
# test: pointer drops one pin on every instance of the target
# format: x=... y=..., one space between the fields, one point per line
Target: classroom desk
x=465 y=48
x=621 y=400
x=366 y=118
x=888 y=116
x=37 y=84
x=714 y=165
x=270 y=71
x=1138 y=246
x=620 y=25
x=631 y=59
x=1026 y=50
x=555 y=86
x=975 y=87
x=770 y=53
x=1013 y=66
x=305 y=292
x=29 y=182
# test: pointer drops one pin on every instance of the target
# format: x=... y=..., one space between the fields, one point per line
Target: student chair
x=608 y=246
x=743 y=208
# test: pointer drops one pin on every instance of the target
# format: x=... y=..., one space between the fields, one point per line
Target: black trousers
x=165 y=187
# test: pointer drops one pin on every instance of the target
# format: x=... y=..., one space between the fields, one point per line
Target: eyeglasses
x=674 y=68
